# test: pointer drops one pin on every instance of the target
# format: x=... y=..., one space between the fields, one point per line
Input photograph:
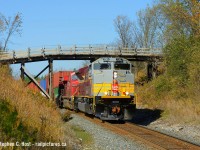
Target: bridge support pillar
x=134 y=69
x=22 y=71
x=34 y=81
x=151 y=70
x=51 y=78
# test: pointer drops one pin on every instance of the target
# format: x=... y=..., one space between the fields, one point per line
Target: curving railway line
x=151 y=138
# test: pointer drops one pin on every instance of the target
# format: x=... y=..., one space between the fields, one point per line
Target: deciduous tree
x=123 y=27
x=183 y=16
x=147 y=32
x=8 y=27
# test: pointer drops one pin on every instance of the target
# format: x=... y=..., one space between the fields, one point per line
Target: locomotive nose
x=115 y=88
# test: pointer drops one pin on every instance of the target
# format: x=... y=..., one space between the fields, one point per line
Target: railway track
x=149 y=137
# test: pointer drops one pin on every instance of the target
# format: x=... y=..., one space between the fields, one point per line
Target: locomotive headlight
x=114 y=74
x=106 y=93
x=127 y=93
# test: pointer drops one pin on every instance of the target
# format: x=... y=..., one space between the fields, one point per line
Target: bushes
x=182 y=60
x=177 y=90
x=177 y=59
x=31 y=116
x=12 y=126
x=162 y=85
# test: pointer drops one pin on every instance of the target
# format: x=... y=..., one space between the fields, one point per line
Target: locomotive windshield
x=122 y=66
x=74 y=77
x=102 y=66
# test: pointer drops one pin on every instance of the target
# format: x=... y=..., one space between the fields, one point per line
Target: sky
x=48 y=23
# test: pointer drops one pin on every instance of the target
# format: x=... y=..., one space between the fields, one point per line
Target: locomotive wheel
x=76 y=109
x=59 y=102
x=76 y=105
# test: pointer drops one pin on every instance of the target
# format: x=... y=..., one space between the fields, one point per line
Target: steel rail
x=149 y=137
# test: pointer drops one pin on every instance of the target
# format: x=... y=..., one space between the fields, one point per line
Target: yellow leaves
x=183 y=15
x=195 y=17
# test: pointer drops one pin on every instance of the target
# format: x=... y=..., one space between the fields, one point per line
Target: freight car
x=104 y=89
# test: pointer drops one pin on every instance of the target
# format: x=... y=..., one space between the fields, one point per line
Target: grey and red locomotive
x=104 y=89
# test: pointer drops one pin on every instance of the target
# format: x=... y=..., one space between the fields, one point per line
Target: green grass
x=11 y=125
x=83 y=135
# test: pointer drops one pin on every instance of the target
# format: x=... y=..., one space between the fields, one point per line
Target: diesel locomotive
x=104 y=89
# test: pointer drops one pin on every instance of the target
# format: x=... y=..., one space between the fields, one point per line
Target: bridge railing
x=79 y=50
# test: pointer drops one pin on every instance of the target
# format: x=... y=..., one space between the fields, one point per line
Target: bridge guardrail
x=79 y=50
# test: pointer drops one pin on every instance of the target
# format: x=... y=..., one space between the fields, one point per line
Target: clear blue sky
x=64 y=22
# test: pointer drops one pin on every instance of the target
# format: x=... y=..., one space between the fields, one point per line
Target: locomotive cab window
x=122 y=66
x=102 y=66
x=74 y=77
x=90 y=71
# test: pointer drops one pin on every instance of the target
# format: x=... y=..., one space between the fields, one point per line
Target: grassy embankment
x=85 y=137
x=177 y=91
x=27 y=116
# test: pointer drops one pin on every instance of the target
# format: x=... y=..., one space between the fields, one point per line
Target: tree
x=123 y=27
x=147 y=32
x=8 y=27
x=1 y=30
x=183 y=16
x=1 y=25
x=182 y=48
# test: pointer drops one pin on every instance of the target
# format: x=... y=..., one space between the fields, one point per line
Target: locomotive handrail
x=78 y=50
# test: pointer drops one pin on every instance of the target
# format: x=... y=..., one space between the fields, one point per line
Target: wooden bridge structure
x=89 y=52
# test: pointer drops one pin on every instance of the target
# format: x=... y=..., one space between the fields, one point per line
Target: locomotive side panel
x=71 y=91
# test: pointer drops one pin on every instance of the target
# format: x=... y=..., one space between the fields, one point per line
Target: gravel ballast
x=105 y=139
x=186 y=132
x=151 y=119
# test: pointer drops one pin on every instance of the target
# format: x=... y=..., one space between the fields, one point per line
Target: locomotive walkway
x=91 y=52
x=79 y=53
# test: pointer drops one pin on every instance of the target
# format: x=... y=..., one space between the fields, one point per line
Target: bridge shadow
x=142 y=117
x=146 y=116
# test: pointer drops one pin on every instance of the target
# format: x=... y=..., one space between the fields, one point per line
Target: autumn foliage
x=177 y=90
x=29 y=117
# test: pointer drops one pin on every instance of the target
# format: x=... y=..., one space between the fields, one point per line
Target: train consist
x=104 y=89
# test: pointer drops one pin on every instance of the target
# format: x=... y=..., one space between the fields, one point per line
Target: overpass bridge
x=76 y=53
x=79 y=53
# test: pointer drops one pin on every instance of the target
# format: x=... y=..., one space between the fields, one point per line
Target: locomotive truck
x=104 y=89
